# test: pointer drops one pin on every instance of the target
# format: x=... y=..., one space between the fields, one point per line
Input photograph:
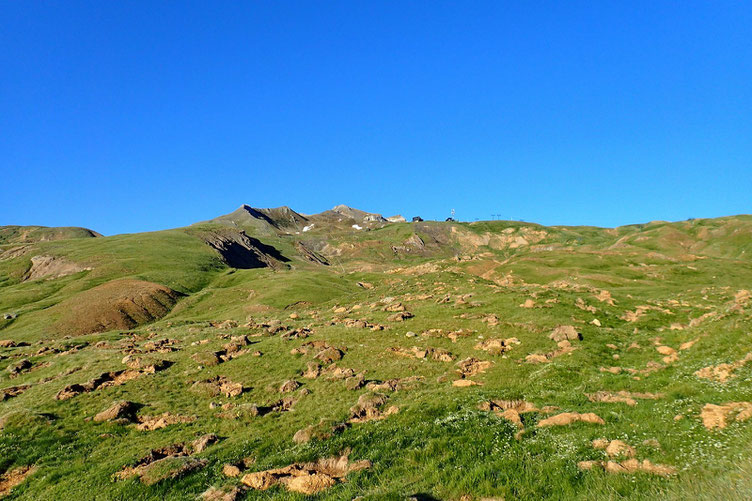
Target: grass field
x=674 y=304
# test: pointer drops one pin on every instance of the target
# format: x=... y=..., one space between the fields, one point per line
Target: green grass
x=439 y=444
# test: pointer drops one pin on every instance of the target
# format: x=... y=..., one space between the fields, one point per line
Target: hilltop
x=270 y=354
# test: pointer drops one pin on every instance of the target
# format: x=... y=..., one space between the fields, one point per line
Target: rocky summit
x=270 y=354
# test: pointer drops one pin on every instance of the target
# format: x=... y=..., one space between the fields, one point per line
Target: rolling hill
x=268 y=354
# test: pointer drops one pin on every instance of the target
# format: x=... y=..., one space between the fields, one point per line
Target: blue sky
x=134 y=116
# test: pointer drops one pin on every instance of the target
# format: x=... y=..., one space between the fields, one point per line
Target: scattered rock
x=218 y=385
x=203 y=442
x=472 y=366
x=368 y=408
x=289 y=386
x=565 y=333
x=104 y=380
x=122 y=410
x=497 y=346
x=399 y=317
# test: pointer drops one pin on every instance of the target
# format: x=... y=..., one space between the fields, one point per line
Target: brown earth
x=117 y=305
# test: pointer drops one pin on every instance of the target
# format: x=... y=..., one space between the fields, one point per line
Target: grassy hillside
x=468 y=397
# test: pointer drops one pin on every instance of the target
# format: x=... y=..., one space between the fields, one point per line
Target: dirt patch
x=670 y=355
x=626 y=397
x=369 y=408
x=580 y=303
x=718 y=416
x=723 y=372
x=629 y=466
x=168 y=462
x=12 y=391
x=567 y=418
x=117 y=305
x=396 y=384
x=400 y=316
x=306 y=478
x=324 y=352
x=352 y=323
x=565 y=333
x=564 y=348
x=321 y=431
x=453 y=335
x=150 y=423
x=497 y=346
x=104 y=380
x=604 y=296
x=438 y=354
x=123 y=411
x=614 y=448
x=226 y=493
x=471 y=366
x=217 y=385
x=511 y=410
x=13 y=478
x=50 y=267
x=640 y=311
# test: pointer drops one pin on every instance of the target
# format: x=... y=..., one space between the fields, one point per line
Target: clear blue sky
x=129 y=116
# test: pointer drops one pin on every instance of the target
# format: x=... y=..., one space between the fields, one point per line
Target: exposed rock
x=203 y=442
x=122 y=410
x=472 y=366
x=565 y=333
x=368 y=408
x=497 y=346
x=288 y=386
x=238 y=250
x=399 y=317
x=218 y=385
